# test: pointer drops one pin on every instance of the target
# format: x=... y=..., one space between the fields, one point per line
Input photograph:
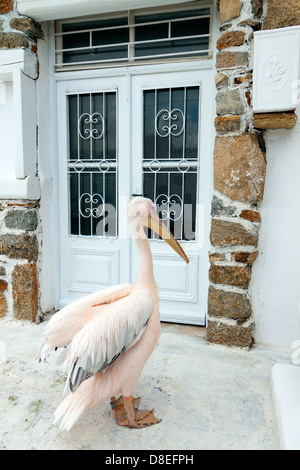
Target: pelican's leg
x=136 y=418
x=117 y=406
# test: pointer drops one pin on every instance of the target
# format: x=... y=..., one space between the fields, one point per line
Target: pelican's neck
x=146 y=276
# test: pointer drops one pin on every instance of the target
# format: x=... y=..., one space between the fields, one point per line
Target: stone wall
x=17 y=30
x=281 y=14
x=19 y=250
x=239 y=166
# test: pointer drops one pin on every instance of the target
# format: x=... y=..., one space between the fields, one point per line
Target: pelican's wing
x=119 y=326
x=64 y=324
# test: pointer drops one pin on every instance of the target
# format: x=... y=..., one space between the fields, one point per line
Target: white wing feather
x=64 y=324
x=116 y=329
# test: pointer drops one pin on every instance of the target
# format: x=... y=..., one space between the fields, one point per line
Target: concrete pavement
x=208 y=396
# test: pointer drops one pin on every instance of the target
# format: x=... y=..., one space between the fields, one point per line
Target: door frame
x=50 y=134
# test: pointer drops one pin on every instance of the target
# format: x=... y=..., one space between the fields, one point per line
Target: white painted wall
x=275 y=285
x=7 y=145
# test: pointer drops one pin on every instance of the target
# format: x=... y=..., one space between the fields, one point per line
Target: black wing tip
x=76 y=380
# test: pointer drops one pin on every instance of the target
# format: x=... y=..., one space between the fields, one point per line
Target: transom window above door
x=135 y=37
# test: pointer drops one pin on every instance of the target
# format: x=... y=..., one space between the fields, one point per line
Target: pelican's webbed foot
x=117 y=405
x=134 y=418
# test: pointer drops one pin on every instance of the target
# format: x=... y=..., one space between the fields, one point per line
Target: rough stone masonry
x=239 y=166
x=19 y=250
x=17 y=31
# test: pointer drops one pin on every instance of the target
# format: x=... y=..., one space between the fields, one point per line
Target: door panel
x=169 y=113
x=182 y=287
x=86 y=263
x=92 y=121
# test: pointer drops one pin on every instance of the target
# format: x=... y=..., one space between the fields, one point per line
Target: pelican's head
x=142 y=213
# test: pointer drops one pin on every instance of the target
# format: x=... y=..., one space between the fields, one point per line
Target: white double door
x=135 y=134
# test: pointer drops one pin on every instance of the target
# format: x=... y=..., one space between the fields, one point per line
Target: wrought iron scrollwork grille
x=171 y=156
x=93 y=163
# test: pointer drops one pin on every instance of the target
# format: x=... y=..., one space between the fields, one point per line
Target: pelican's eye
x=153 y=208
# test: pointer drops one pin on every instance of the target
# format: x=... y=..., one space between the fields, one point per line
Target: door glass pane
x=81 y=46
x=171 y=156
x=92 y=164
x=168 y=29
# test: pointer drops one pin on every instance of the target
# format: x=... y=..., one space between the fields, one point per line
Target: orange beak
x=154 y=223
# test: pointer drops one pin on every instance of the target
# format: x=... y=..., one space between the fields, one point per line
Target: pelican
x=109 y=335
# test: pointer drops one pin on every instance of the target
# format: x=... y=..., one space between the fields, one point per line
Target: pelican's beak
x=154 y=223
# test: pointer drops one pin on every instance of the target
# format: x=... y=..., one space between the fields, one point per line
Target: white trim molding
x=45 y=10
x=12 y=60
x=18 y=72
x=26 y=188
